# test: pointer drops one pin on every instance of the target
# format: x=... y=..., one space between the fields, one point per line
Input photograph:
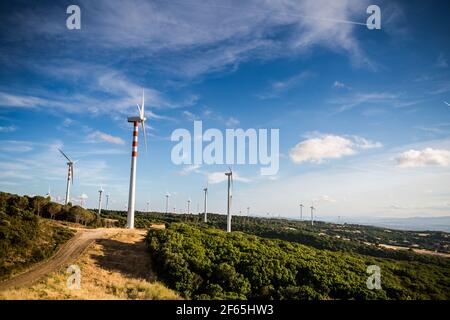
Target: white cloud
x=218 y=177
x=329 y=147
x=426 y=157
x=323 y=199
x=101 y=136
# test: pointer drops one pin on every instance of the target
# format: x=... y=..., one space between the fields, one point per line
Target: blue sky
x=364 y=130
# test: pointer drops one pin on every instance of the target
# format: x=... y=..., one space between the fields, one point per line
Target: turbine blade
x=139 y=109
x=145 y=134
x=142 y=105
x=64 y=155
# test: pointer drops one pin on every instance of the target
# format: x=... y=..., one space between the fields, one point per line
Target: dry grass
x=114 y=268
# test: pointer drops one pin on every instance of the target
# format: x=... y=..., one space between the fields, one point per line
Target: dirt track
x=66 y=255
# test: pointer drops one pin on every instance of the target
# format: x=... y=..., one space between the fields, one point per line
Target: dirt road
x=66 y=255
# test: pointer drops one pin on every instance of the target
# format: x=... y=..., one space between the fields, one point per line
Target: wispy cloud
x=441 y=61
x=5 y=129
x=203 y=37
x=354 y=100
x=341 y=85
x=280 y=86
x=98 y=136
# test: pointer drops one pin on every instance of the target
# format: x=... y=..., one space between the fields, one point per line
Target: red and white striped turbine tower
x=132 y=195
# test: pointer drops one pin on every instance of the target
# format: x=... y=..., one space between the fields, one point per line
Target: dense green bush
x=205 y=263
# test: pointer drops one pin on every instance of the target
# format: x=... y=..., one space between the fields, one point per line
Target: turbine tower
x=100 y=200
x=167 y=202
x=301 y=212
x=48 y=195
x=205 y=209
x=229 y=198
x=70 y=164
x=148 y=206
x=312 y=214
x=107 y=201
x=188 y=206
x=132 y=195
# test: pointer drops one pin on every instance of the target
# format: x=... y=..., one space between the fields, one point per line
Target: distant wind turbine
x=205 y=208
x=70 y=175
x=188 y=206
x=48 y=195
x=167 y=202
x=132 y=195
x=229 y=198
x=107 y=201
x=100 y=200
x=301 y=212
x=312 y=214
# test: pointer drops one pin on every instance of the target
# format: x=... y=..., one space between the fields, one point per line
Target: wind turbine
x=107 y=201
x=132 y=195
x=312 y=214
x=167 y=202
x=83 y=197
x=301 y=212
x=100 y=200
x=70 y=164
x=148 y=206
x=48 y=195
x=229 y=198
x=188 y=205
x=205 y=209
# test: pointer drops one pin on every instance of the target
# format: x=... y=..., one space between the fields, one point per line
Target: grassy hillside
x=27 y=238
x=203 y=263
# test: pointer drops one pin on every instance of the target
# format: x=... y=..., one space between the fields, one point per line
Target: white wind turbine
x=229 y=198
x=70 y=175
x=205 y=209
x=301 y=212
x=132 y=195
x=188 y=205
x=100 y=200
x=312 y=214
x=107 y=201
x=48 y=195
x=167 y=202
